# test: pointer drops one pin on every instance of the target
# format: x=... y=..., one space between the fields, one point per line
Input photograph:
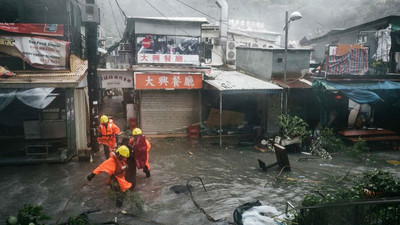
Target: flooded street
x=231 y=177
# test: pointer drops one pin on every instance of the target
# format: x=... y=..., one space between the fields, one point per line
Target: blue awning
x=363 y=92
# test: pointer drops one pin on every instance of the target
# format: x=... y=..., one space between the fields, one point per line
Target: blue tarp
x=362 y=92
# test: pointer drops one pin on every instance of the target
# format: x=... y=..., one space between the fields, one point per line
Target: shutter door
x=169 y=111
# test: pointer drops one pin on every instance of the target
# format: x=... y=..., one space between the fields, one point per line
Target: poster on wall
x=34 y=28
x=40 y=52
x=116 y=79
x=164 y=49
x=170 y=81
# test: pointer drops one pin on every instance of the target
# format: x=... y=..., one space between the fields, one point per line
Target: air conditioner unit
x=90 y=12
x=230 y=51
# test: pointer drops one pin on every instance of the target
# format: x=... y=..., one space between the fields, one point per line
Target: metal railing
x=366 y=212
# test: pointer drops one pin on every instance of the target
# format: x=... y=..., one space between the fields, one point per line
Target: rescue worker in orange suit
x=108 y=134
x=115 y=166
x=140 y=147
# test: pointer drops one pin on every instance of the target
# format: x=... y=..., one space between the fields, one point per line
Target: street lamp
x=294 y=16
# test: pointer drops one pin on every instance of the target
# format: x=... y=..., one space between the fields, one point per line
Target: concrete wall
x=297 y=60
x=273 y=111
x=349 y=36
x=258 y=62
x=268 y=63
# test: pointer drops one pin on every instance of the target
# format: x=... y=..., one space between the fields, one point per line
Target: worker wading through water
x=140 y=148
x=115 y=166
x=108 y=135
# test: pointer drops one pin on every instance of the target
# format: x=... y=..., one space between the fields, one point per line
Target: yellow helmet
x=137 y=131
x=103 y=119
x=123 y=150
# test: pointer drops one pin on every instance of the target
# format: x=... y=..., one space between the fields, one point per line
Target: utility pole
x=91 y=18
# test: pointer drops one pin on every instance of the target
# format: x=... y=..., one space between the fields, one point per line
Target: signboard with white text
x=116 y=79
x=169 y=81
x=40 y=52
x=163 y=49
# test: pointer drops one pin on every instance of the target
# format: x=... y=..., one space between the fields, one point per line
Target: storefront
x=44 y=116
x=169 y=102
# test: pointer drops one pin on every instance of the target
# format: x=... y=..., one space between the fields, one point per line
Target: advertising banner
x=163 y=49
x=40 y=52
x=116 y=79
x=34 y=28
x=144 y=81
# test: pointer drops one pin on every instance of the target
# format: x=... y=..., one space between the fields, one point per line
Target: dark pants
x=106 y=151
x=130 y=174
x=119 y=195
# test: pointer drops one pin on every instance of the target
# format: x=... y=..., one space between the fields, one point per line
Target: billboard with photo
x=164 y=49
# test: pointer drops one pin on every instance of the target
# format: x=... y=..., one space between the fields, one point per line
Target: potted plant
x=293 y=129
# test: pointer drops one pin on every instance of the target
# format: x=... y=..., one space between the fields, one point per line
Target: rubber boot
x=146 y=171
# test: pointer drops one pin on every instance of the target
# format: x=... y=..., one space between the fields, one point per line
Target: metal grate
x=367 y=212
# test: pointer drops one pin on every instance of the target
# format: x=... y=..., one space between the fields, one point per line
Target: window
x=280 y=60
x=362 y=38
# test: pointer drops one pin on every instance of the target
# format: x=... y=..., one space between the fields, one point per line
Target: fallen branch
x=276 y=177
x=210 y=218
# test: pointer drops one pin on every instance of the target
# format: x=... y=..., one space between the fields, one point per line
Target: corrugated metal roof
x=51 y=79
x=293 y=83
x=175 y=19
x=236 y=81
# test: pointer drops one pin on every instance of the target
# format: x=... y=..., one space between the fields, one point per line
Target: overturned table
x=372 y=135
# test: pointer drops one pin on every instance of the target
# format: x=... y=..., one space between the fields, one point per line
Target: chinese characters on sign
x=168 y=81
x=116 y=80
x=167 y=49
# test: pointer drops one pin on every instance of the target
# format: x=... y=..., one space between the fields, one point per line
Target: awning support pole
x=220 y=119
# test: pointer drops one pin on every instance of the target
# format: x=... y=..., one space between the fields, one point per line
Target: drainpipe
x=220 y=119
x=223 y=26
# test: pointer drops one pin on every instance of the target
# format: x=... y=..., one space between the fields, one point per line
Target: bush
x=28 y=215
x=293 y=126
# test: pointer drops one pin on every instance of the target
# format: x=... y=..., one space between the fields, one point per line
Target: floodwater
x=231 y=176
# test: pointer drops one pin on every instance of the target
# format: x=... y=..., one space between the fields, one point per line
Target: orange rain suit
x=141 y=147
x=116 y=167
x=107 y=134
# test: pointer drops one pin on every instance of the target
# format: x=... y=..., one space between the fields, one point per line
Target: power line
x=166 y=17
x=115 y=21
x=121 y=11
x=175 y=23
x=205 y=14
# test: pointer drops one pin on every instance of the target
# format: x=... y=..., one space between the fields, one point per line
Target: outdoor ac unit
x=230 y=51
x=90 y=12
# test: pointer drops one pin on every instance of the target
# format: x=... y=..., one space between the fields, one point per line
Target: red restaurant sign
x=34 y=28
x=168 y=81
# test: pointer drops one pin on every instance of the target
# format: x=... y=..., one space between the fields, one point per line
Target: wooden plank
x=350 y=133
x=375 y=138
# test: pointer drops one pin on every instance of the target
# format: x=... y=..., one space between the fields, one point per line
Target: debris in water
x=393 y=162
x=190 y=153
x=178 y=189
x=328 y=165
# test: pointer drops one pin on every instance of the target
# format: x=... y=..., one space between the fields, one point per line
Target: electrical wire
x=121 y=11
x=115 y=21
x=183 y=30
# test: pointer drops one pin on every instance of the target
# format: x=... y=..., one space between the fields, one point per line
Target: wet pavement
x=231 y=176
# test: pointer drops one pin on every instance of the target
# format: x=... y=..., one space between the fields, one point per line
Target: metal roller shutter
x=168 y=111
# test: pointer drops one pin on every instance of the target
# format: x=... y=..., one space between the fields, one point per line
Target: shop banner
x=144 y=81
x=116 y=79
x=163 y=49
x=40 y=52
x=34 y=28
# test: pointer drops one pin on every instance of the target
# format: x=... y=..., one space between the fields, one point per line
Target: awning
x=59 y=79
x=362 y=92
x=234 y=82
x=38 y=98
x=231 y=82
